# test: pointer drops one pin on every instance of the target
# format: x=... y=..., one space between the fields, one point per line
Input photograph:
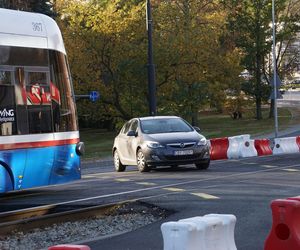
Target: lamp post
x=151 y=67
x=274 y=69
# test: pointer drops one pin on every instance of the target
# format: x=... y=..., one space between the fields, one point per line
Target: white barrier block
x=287 y=145
x=229 y=221
x=247 y=149
x=181 y=236
x=235 y=144
x=213 y=230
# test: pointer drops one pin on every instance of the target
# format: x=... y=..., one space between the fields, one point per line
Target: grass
x=99 y=142
x=222 y=125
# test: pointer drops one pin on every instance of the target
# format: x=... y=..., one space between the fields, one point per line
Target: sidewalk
x=281 y=133
x=292 y=130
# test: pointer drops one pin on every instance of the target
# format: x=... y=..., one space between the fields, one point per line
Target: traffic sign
x=94 y=96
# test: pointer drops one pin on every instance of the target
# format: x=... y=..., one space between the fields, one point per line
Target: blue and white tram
x=39 y=137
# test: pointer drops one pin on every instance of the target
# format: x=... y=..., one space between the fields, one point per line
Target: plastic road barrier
x=182 y=236
x=228 y=221
x=298 y=141
x=247 y=148
x=287 y=145
x=263 y=147
x=285 y=232
x=218 y=148
x=210 y=232
x=69 y=247
x=240 y=146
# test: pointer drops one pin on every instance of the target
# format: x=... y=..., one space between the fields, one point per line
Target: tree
x=106 y=46
x=44 y=6
x=288 y=51
x=195 y=65
x=249 y=23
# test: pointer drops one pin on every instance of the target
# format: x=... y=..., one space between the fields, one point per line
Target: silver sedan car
x=159 y=141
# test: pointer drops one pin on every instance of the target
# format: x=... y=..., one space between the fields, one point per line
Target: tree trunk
x=194 y=115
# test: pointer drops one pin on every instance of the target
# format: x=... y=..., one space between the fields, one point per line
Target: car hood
x=166 y=138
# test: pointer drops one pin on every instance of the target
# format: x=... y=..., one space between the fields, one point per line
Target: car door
x=122 y=143
x=132 y=141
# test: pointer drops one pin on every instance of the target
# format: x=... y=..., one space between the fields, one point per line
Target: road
x=242 y=187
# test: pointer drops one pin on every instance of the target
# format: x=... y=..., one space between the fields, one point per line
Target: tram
x=39 y=137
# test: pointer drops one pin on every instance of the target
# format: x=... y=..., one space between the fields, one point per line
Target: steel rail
x=29 y=218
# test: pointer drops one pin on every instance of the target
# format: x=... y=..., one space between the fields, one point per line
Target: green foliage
x=200 y=48
x=39 y=6
x=249 y=22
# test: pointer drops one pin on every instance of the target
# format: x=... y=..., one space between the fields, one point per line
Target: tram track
x=29 y=218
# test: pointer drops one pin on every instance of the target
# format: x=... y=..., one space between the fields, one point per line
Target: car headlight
x=153 y=144
x=202 y=142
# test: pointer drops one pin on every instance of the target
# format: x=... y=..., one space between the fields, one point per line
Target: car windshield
x=164 y=125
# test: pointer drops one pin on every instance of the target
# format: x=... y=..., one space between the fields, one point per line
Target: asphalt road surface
x=243 y=187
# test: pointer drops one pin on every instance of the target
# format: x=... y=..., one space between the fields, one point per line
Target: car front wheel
x=119 y=167
x=202 y=166
x=141 y=162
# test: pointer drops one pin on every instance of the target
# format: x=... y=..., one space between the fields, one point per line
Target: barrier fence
x=209 y=232
x=242 y=146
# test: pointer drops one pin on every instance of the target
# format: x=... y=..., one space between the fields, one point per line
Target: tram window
x=38 y=102
x=10 y=55
x=40 y=120
x=21 y=101
x=37 y=78
x=5 y=77
x=63 y=102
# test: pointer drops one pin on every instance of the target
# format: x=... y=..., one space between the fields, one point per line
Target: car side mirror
x=131 y=133
x=197 y=129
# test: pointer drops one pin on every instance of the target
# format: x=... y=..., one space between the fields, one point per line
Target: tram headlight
x=80 y=148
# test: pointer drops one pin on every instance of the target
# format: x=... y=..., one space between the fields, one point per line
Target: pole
x=274 y=70
x=151 y=67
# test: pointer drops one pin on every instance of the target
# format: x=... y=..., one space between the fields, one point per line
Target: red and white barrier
x=241 y=146
x=218 y=148
x=284 y=234
x=287 y=145
x=263 y=147
x=209 y=232
x=69 y=247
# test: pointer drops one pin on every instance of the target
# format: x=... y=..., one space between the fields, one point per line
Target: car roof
x=156 y=117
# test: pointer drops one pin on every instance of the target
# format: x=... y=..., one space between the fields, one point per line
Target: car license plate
x=184 y=152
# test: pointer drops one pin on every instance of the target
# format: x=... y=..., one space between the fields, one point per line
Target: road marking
x=146 y=183
x=86 y=176
x=268 y=166
x=152 y=188
x=206 y=196
x=174 y=189
x=291 y=170
x=122 y=180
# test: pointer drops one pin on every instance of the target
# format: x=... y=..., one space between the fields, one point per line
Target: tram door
x=40 y=156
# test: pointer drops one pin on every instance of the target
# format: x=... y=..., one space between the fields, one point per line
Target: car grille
x=182 y=145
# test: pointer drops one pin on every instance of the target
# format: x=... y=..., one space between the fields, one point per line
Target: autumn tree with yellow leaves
x=106 y=43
